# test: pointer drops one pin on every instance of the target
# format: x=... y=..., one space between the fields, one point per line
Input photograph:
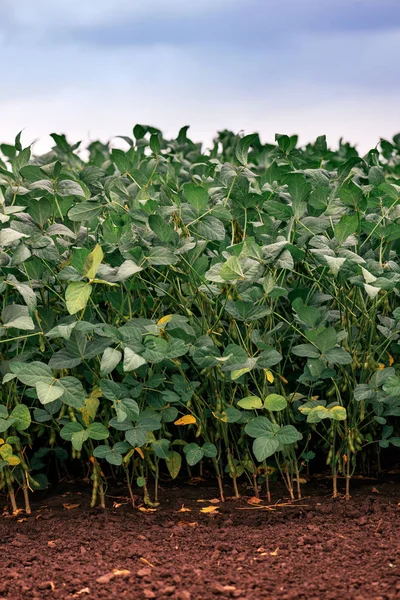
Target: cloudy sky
x=94 y=68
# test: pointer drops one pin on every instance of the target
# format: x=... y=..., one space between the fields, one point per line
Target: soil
x=315 y=548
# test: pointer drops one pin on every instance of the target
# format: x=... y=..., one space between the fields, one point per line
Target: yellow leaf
x=92 y=262
x=381 y=366
x=121 y=572
x=391 y=360
x=184 y=509
x=105 y=282
x=269 y=376
x=144 y=509
x=96 y=393
x=236 y=373
x=140 y=452
x=187 y=523
x=145 y=561
x=165 y=320
x=254 y=500
x=186 y=420
x=275 y=552
x=5 y=451
x=90 y=409
x=1 y=441
x=70 y=506
x=221 y=416
x=209 y=509
x=13 y=460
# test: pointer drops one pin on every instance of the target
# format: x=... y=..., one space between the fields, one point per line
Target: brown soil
x=316 y=548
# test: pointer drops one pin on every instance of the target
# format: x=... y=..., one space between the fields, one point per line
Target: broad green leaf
x=259 y=426
x=265 y=446
x=347 y=225
x=243 y=146
x=137 y=437
x=307 y=350
x=73 y=391
x=110 y=359
x=161 y=448
x=97 y=431
x=161 y=228
x=174 y=463
x=69 y=429
x=85 y=211
x=193 y=453
x=275 y=402
x=21 y=417
x=17 y=316
x=48 y=391
x=338 y=356
x=78 y=439
x=32 y=373
x=132 y=361
x=210 y=451
x=288 y=435
x=196 y=195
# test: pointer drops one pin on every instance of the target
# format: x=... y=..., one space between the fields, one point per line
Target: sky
x=94 y=68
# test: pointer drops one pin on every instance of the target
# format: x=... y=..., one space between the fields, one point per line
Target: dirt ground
x=315 y=548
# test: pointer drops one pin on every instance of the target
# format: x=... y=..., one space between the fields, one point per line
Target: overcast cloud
x=96 y=67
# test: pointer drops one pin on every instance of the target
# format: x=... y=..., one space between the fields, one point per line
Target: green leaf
x=73 y=392
x=243 y=146
x=85 y=211
x=232 y=269
x=193 y=453
x=77 y=295
x=196 y=195
x=110 y=359
x=78 y=439
x=17 y=316
x=161 y=448
x=347 y=225
x=161 y=256
x=9 y=236
x=306 y=350
x=174 y=463
x=211 y=228
x=326 y=340
x=161 y=228
x=288 y=435
x=210 y=451
x=265 y=446
x=69 y=429
x=32 y=373
x=97 y=431
x=137 y=437
x=48 y=391
x=67 y=187
x=260 y=426
x=21 y=416
x=155 y=145
x=275 y=402
x=132 y=361
x=338 y=356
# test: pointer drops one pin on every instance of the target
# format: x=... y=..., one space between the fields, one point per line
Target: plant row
x=168 y=309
